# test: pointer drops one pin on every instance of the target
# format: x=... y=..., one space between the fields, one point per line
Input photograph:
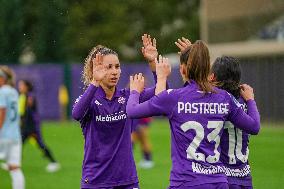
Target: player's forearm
x=152 y=65
x=254 y=114
x=81 y=107
x=161 y=85
x=2 y=117
x=249 y=122
x=150 y=92
x=156 y=80
x=134 y=109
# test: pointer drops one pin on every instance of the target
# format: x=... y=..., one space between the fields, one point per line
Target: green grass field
x=66 y=142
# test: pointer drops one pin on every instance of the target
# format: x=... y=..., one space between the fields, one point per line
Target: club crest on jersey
x=121 y=100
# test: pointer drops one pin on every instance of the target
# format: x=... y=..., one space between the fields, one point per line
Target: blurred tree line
x=65 y=30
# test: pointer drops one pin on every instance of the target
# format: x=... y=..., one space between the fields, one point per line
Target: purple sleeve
x=83 y=103
x=162 y=104
x=249 y=122
x=147 y=94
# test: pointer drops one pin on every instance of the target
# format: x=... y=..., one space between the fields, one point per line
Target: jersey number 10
x=236 y=144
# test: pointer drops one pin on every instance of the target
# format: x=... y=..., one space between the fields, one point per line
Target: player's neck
x=109 y=91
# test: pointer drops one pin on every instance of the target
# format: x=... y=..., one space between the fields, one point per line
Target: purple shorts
x=144 y=122
x=235 y=186
x=203 y=186
x=129 y=186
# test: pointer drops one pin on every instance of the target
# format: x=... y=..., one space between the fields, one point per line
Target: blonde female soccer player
x=101 y=110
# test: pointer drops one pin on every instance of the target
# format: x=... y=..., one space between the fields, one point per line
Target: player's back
x=9 y=101
x=197 y=122
x=235 y=152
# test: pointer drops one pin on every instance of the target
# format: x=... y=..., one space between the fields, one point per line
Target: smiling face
x=113 y=71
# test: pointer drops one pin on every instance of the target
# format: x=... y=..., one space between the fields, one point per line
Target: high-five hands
x=137 y=82
x=149 y=49
x=99 y=70
x=163 y=68
x=182 y=44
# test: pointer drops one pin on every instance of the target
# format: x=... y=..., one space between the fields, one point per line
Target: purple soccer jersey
x=197 y=123
x=108 y=159
x=235 y=152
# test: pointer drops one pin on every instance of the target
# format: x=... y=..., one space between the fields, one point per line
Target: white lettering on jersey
x=203 y=108
x=111 y=117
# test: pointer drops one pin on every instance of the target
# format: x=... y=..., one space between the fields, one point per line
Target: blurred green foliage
x=65 y=30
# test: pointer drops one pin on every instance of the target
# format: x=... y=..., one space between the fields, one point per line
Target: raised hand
x=182 y=44
x=99 y=70
x=163 y=68
x=149 y=50
x=247 y=92
x=137 y=82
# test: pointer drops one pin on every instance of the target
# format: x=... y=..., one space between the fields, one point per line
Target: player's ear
x=211 y=77
x=182 y=69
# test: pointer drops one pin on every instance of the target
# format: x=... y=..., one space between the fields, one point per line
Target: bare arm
x=2 y=116
x=163 y=70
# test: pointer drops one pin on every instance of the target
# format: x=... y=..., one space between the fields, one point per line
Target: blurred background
x=47 y=41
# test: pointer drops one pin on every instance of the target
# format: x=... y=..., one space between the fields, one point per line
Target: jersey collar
x=101 y=93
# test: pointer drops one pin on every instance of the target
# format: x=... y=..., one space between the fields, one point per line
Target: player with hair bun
x=197 y=113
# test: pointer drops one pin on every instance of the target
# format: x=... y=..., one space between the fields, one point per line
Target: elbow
x=256 y=130
x=76 y=115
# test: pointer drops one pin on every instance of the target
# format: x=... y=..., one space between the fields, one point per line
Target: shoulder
x=169 y=94
x=222 y=94
x=8 y=91
x=233 y=102
x=5 y=89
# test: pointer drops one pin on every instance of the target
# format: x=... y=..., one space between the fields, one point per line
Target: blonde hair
x=10 y=75
x=87 y=75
